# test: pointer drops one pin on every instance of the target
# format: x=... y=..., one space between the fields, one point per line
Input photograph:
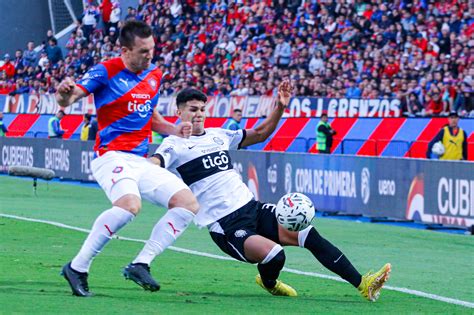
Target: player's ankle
x=269 y=284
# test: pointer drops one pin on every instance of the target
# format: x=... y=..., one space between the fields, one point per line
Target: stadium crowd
x=419 y=51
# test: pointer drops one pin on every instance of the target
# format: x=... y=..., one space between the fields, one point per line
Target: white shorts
x=138 y=176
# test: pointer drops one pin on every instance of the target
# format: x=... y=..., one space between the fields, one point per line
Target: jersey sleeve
x=167 y=152
x=94 y=79
x=236 y=137
x=233 y=127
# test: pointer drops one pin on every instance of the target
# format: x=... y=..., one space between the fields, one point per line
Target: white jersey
x=204 y=164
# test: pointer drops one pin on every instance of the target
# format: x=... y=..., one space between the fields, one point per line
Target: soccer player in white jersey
x=242 y=227
x=126 y=91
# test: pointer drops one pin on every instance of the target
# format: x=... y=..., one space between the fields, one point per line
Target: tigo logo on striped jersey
x=142 y=109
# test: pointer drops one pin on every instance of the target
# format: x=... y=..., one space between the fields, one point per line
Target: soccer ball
x=438 y=148
x=294 y=211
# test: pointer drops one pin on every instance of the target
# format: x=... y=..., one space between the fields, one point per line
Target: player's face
x=195 y=113
x=237 y=116
x=139 y=57
x=453 y=122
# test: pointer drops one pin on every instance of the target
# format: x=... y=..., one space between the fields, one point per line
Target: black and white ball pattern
x=295 y=211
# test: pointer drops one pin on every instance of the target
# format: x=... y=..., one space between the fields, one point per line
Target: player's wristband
x=159 y=157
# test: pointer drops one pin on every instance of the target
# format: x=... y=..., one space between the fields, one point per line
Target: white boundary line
x=295 y=271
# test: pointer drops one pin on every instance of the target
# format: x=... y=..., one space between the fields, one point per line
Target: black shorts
x=255 y=218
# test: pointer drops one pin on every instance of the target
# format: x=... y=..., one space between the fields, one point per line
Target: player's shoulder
x=220 y=134
x=224 y=132
x=112 y=66
x=216 y=130
x=153 y=69
x=102 y=71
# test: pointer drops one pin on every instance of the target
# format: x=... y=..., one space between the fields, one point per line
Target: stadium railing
x=298 y=144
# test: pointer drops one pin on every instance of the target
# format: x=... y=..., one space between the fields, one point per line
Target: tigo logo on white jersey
x=220 y=161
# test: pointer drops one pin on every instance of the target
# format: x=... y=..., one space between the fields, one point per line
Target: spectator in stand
x=241 y=90
x=435 y=105
x=8 y=66
x=21 y=87
x=106 y=10
x=282 y=53
x=389 y=49
x=167 y=89
x=49 y=35
x=234 y=122
x=464 y=102
x=324 y=136
x=113 y=34
x=131 y=13
x=352 y=90
x=54 y=126
x=6 y=85
x=89 y=20
x=3 y=127
x=53 y=51
x=42 y=62
x=30 y=56
x=115 y=15
x=453 y=138
x=19 y=63
x=411 y=105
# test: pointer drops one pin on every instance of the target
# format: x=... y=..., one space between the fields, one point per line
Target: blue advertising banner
x=429 y=191
x=420 y=190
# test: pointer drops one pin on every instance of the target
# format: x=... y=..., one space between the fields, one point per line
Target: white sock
x=106 y=225
x=165 y=233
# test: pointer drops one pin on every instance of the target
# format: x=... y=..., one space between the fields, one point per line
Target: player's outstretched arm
x=266 y=128
x=162 y=126
x=68 y=92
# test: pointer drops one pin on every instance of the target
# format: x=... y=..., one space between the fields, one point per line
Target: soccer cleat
x=77 y=281
x=372 y=283
x=140 y=274
x=279 y=289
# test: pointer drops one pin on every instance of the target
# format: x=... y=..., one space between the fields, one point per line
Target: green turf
x=31 y=255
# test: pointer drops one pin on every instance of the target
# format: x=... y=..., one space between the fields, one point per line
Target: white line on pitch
x=299 y=272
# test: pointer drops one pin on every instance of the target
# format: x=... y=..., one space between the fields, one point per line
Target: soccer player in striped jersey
x=126 y=91
x=241 y=226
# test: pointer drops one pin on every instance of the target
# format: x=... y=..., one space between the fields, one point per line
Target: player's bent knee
x=184 y=199
x=257 y=248
x=130 y=203
x=275 y=256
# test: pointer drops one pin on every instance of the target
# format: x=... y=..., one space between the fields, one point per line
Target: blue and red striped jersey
x=125 y=102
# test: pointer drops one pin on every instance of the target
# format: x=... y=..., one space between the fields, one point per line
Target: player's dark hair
x=324 y=115
x=132 y=29
x=189 y=94
x=237 y=110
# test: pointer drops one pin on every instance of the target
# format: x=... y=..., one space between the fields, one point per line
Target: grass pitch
x=32 y=254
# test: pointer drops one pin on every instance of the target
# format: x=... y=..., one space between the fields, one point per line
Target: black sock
x=271 y=270
x=332 y=258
